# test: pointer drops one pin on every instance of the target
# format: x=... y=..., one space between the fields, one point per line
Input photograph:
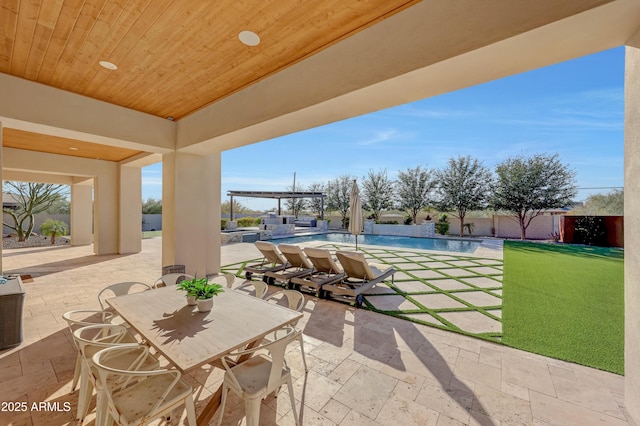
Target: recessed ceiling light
x=108 y=65
x=249 y=38
x=73 y=148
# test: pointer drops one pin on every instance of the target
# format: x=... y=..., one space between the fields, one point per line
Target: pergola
x=278 y=195
x=180 y=87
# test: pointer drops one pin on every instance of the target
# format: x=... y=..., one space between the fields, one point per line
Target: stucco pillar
x=632 y=229
x=105 y=211
x=82 y=213
x=130 y=209
x=191 y=212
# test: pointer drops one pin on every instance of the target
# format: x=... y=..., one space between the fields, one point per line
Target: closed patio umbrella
x=355 y=205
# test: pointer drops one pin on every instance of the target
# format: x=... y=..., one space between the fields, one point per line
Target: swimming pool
x=441 y=244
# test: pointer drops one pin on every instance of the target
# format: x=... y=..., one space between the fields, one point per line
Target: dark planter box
x=11 y=303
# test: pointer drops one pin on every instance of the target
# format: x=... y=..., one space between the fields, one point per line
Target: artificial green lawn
x=566 y=302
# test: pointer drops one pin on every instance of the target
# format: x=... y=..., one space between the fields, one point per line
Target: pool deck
x=366 y=369
x=454 y=291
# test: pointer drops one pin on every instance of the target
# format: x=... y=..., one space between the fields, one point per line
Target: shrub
x=223 y=224
x=244 y=222
x=52 y=228
x=408 y=220
x=442 y=225
x=590 y=230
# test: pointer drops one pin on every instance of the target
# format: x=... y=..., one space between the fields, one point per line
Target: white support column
x=82 y=213
x=105 y=211
x=130 y=239
x=191 y=212
x=632 y=229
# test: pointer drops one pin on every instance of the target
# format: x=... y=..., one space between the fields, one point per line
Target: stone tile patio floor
x=365 y=368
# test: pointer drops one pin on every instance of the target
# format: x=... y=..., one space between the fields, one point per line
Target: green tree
x=462 y=186
x=338 y=192
x=316 y=204
x=610 y=204
x=295 y=205
x=414 y=188
x=526 y=186
x=225 y=207
x=52 y=228
x=60 y=206
x=377 y=192
x=152 y=206
x=32 y=198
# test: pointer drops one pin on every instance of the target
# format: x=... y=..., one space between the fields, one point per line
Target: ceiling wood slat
x=165 y=49
x=20 y=139
x=27 y=19
x=8 y=26
x=64 y=25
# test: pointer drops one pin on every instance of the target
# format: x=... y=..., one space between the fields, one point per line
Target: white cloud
x=379 y=137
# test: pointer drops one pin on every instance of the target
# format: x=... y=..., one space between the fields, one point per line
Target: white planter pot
x=191 y=301
x=205 y=305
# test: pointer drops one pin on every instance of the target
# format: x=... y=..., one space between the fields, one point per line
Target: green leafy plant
x=189 y=285
x=206 y=291
x=52 y=228
x=590 y=230
x=442 y=225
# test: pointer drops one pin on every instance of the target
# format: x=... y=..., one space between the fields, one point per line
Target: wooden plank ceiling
x=20 y=139
x=173 y=56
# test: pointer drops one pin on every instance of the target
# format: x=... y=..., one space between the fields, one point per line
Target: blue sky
x=574 y=109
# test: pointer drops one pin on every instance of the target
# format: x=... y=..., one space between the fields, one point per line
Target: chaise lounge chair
x=271 y=262
x=298 y=265
x=325 y=271
x=360 y=277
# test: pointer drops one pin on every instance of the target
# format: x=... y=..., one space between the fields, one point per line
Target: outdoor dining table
x=189 y=338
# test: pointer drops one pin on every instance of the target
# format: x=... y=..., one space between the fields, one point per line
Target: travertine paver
x=473 y=322
x=424 y=317
x=437 y=301
x=479 y=298
x=426 y=273
x=449 y=284
x=456 y=272
x=365 y=368
x=482 y=282
x=392 y=303
x=412 y=286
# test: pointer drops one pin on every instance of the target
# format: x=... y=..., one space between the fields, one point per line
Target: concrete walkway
x=365 y=368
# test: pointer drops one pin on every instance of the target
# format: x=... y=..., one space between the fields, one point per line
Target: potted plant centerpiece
x=204 y=294
x=189 y=287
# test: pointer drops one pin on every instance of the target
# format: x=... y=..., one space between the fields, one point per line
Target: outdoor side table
x=11 y=302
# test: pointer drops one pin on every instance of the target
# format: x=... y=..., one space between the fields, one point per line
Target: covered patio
x=365 y=368
x=182 y=89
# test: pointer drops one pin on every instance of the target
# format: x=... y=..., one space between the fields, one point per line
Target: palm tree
x=52 y=228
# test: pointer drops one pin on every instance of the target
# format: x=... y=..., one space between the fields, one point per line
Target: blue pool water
x=442 y=244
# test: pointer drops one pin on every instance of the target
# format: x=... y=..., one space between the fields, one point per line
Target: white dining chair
x=81 y=318
x=139 y=396
x=171 y=279
x=258 y=289
x=89 y=340
x=260 y=375
x=120 y=289
x=225 y=279
x=295 y=301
